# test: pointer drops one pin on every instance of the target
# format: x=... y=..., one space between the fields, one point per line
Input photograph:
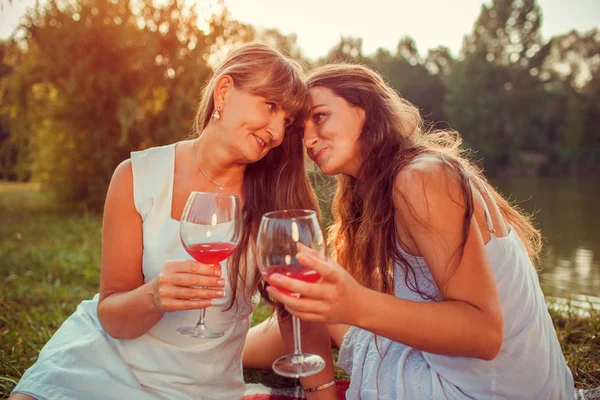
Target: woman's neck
x=215 y=161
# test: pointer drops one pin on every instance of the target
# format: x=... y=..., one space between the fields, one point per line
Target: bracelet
x=320 y=387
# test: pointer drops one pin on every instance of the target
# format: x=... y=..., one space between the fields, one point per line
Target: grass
x=579 y=338
x=49 y=263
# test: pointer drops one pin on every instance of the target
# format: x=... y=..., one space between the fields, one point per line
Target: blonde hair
x=260 y=70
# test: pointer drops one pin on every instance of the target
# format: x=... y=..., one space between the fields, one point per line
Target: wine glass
x=210 y=230
x=278 y=237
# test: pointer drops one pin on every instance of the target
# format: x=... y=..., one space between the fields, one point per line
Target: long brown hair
x=363 y=236
x=278 y=181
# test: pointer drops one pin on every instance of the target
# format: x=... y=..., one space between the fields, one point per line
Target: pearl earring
x=217 y=114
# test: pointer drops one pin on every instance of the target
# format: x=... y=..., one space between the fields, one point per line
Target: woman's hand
x=187 y=285
x=334 y=299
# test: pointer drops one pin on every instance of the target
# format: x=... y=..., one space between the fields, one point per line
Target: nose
x=276 y=128
x=310 y=137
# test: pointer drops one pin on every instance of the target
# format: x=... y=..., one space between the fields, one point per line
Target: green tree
x=439 y=61
x=507 y=32
x=97 y=79
x=406 y=72
x=8 y=148
x=572 y=71
x=494 y=96
x=477 y=106
x=571 y=130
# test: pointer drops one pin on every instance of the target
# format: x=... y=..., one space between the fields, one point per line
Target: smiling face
x=253 y=124
x=257 y=92
x=331 y=131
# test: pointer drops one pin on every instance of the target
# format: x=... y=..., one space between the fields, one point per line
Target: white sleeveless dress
x=530 y=364
x=81 y=361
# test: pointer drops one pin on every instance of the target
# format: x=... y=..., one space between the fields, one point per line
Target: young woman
x=434 y=293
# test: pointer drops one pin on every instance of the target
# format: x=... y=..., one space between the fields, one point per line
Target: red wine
x=296 y=271
x=211 y=253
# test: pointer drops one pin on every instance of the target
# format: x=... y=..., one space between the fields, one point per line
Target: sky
x=319 y=24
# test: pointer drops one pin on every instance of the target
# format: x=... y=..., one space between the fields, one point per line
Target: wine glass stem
x=298 y=355
x=201 y=322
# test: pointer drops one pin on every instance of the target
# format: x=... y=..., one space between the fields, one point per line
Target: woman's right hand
x=187 y=285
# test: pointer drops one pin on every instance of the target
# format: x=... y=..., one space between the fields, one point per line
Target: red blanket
x=257 y=391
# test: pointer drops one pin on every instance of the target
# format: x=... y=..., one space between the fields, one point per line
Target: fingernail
x=218 y=272
x=220 y=293
x=276 y=277
x=221 y=282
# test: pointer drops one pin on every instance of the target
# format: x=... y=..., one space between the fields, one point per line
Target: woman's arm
x=128 y=307
x=315 y=340
x=467 y=322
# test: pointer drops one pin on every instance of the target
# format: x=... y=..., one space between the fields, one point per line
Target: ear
x=361 y=114
x=222 y=90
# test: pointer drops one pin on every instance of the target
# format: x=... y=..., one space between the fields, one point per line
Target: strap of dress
x=486 y=210
x=152 y=170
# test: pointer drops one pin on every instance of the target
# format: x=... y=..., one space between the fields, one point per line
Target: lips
x=261 y=142
x=317 y=154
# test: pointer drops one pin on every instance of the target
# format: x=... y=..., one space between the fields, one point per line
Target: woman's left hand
x=336 y=298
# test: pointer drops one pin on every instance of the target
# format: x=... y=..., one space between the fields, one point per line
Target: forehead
x=321 y=95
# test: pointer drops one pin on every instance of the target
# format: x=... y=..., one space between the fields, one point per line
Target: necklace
x=220 y=186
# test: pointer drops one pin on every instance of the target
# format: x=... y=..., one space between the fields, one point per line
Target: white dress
x=530 y=364
x=81 y=361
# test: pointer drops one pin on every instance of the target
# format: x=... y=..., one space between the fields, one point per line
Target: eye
x=271 y=106
x=317 y=117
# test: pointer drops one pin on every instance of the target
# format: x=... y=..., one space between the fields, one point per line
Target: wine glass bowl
x=210 y=231
x=279 y=234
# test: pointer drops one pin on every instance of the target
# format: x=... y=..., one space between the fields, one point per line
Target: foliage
x=83 y=83
x=96 y=79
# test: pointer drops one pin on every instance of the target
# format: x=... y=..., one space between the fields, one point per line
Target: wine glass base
x=296 y=366
x=201 y=332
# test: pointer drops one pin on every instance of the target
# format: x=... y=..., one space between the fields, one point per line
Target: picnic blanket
x=258 y=391
x=591 y=394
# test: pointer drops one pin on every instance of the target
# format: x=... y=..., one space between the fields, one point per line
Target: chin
x=327 y=170
x=254 y=157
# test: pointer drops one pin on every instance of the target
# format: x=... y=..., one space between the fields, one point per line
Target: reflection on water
x=567 y=210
